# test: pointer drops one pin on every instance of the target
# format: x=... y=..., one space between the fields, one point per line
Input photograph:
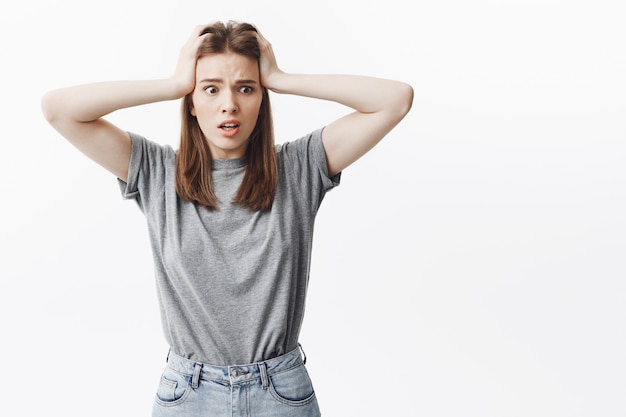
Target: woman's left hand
x=267 y=64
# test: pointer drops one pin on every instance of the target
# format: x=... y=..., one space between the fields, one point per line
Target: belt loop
x=195 y=382
x=264 y=379
x=303 y=354
x=167 y=359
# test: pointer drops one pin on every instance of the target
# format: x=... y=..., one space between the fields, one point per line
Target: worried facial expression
x=226 y=102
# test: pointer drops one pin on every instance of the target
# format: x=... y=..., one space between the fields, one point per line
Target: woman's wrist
x=276 y=82
x=176 y=88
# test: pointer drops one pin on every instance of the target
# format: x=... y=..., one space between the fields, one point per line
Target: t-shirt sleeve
x=146 y=171
x=307 y=164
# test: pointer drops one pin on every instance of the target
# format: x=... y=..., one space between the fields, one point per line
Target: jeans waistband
x=235 y=374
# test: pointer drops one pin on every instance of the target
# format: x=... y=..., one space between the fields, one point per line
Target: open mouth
x=229 y=126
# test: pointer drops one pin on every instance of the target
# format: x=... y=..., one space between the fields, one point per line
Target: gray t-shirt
x=231 y=283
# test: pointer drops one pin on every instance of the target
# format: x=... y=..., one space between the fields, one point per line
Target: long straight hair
x=193 y=159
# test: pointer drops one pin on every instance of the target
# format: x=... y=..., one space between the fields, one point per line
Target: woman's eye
x=245 y=89
x=211 y=90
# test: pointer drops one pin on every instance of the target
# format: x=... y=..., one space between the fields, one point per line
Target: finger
x=200 y=28
x=197 y=31
x=263 y=43
x=259 y=35
x=197 y=36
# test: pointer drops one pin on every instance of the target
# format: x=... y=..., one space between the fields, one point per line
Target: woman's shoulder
x=301 y=145
x=148 y=148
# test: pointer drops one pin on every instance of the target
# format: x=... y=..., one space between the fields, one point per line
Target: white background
x=470 y=265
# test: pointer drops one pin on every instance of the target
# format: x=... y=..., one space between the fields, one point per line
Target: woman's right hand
x=77 y=112
x=184 y=77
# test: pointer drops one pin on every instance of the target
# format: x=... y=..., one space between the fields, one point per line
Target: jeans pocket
x=173 y=388
x=292 y=387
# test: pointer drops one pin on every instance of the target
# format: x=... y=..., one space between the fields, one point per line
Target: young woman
x=230 y=214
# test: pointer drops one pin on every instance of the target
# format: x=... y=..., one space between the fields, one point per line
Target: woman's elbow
x=405 y=99
x=49 y=107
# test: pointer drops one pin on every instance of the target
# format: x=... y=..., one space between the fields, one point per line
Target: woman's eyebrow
x=220 y=81
x=247 y=82
x=212 y=80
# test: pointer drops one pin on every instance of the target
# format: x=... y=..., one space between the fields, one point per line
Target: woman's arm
x=76 y=112
x=379 y=106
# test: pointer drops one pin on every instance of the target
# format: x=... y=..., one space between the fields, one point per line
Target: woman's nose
x=229 y=105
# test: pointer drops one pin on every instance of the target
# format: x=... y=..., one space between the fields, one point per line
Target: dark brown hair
x=193 y=160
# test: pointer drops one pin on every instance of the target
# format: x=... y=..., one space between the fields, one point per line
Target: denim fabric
x=274 y=388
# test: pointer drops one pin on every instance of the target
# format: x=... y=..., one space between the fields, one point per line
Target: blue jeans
x=274 y=388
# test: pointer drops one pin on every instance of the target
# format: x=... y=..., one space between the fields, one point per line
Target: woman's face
x=226 y=102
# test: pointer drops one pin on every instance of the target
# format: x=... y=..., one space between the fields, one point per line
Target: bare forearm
x=364 y=94
x=89 y=102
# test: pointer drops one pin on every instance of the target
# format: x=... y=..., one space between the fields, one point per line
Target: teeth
x=229 y=125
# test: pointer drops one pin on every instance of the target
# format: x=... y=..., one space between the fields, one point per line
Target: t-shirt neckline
x=223 y=164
